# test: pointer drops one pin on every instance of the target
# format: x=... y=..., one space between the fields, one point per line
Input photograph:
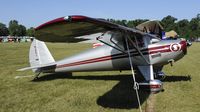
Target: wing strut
x=137 y=48
x=136 y=85
x=99 y=39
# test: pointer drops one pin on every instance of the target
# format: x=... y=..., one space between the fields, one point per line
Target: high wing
x=67 y=29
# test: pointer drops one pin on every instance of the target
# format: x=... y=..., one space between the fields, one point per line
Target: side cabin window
x=151 y=39
x=135 y=39
x=142 y=41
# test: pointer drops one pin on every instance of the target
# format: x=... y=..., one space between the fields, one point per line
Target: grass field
x=92 y=91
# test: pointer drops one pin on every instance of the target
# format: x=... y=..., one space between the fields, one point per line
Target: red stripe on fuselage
x=153 y=50
x=159 y=47
x=86 y=61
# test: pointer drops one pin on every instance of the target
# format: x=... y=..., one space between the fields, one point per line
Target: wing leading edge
x=66 y=29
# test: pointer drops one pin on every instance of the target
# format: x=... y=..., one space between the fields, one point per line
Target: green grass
x=91 y=91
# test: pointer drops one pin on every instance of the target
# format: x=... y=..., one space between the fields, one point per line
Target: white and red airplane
x=123 y=48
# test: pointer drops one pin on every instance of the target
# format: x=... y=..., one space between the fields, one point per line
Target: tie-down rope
x=136 y=85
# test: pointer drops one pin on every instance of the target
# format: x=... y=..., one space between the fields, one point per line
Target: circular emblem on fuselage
x=175 y=47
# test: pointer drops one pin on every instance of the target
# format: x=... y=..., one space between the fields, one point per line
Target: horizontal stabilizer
x=41 y=68
x=27 y=68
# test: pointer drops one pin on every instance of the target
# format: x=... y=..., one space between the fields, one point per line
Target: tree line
x=15 y=29
x=185 y=28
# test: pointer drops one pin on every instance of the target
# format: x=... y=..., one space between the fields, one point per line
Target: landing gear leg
x=151 y=72
x=151 y=84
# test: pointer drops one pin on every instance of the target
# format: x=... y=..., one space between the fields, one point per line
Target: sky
x=32 y=13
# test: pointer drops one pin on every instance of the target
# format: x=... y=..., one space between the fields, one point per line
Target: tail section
x=40 y=58
x=39 y=54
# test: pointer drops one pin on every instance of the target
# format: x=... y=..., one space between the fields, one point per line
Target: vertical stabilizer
x=39 y=54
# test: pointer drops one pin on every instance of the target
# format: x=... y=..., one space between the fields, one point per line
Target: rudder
x=39 y=54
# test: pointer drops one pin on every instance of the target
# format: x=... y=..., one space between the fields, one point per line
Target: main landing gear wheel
x=160 y=75
x=153 y=86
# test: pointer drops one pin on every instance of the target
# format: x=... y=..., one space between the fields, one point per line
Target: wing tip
x=58 y=20
x=62 y=19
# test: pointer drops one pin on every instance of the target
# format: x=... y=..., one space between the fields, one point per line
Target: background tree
x=21 y=30
x=195 y=26
x=3 y=30
x=128 y=23
x=139 y=21
x=30 y=32
x=168 y=23
x=13 y=27
x=183 y=28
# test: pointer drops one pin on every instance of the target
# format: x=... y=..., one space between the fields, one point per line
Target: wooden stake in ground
x=150 y=105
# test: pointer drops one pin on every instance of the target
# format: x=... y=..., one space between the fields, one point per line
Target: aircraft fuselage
x=105 y=58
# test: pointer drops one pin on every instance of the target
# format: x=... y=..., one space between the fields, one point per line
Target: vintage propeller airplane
x=141 y=48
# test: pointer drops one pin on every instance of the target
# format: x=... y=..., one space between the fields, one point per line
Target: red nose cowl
x=184 y=46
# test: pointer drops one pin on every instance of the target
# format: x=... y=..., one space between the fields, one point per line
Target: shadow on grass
x=49 y=77
x=53 y=76
x=177 y=78
x=122 y=95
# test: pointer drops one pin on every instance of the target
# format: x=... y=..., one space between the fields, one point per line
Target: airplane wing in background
x=152 y=27
x=66 y=29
